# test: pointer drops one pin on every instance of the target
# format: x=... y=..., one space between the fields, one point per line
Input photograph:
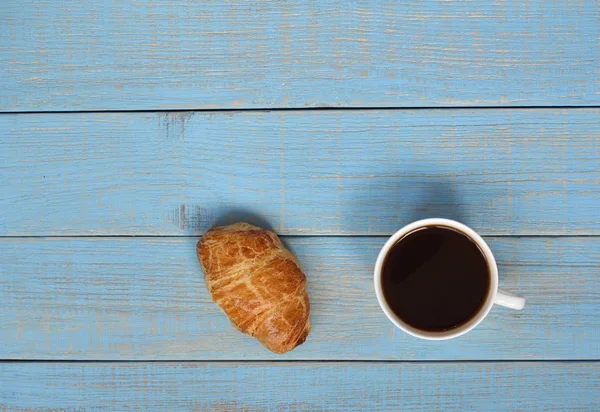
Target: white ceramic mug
x=494 y=294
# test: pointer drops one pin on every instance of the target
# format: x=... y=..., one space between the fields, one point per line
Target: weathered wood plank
x=97 y=55
x=145 y=299
x=300 y=386
x=335 y=172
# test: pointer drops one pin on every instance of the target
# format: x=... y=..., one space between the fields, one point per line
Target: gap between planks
x=305 y=109
x=301 y=361
x=295 y=236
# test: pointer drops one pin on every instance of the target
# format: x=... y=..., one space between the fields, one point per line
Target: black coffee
x=435 y=278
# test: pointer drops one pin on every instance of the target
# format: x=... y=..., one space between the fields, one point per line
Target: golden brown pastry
x=257 y=283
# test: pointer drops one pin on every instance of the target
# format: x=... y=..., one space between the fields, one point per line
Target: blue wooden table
x=128 y=128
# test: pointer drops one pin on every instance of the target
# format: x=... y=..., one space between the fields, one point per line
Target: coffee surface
x=435 y=279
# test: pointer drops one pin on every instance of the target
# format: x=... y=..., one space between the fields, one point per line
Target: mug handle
x=509 y=300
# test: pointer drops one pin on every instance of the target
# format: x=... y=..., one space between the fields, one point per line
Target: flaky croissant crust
x=257 y=283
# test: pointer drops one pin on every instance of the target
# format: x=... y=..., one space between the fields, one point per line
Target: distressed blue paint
x=144 y=298
x=307 y=387
x=505 y=172
x=98 y=55
x=336 y=172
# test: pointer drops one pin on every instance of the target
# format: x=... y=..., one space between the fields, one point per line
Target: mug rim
x=492 y=268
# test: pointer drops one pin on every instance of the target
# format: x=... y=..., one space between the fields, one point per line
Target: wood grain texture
x=145 y=299
x=293 y=386
x=131 y=55
x=513 y=172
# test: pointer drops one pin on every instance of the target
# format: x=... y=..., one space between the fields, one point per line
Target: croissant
x=257 y=283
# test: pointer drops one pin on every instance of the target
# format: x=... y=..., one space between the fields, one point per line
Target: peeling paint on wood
x=163 y=54
x=145 y=298
x=308 y=387
x=510 y=172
